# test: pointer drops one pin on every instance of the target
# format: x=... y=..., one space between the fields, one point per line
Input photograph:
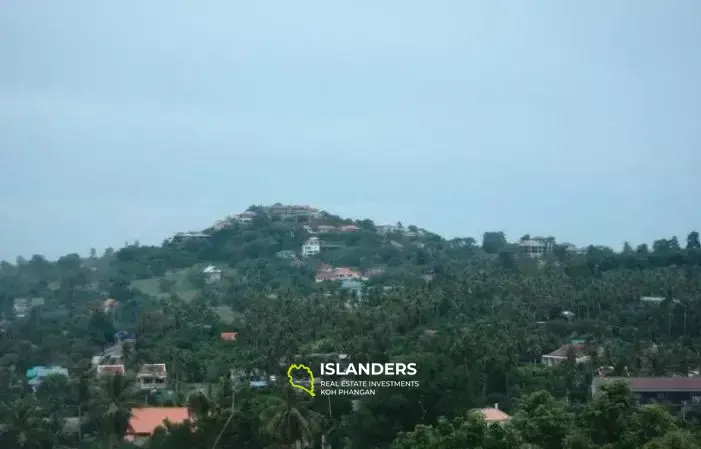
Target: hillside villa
x=576 y=348
x=311 y=247
x=152 y=375
x=327 y=273
x=212 y=274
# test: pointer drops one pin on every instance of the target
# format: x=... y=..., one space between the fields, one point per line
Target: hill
x=530 y=325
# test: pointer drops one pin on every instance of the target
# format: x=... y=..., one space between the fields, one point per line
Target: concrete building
x=311 y=247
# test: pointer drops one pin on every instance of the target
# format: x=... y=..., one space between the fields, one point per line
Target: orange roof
x=492 y=414
x=145 y=420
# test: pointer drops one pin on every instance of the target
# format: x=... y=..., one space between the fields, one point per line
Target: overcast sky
x=133 y=120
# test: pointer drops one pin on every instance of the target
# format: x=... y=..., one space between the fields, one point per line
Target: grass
x=182 y=288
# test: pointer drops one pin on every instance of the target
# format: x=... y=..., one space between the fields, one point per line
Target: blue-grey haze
x=132 y=120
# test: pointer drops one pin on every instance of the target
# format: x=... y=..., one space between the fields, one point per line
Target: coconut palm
x=289 y=422
x=24 y=425
x=112 y=406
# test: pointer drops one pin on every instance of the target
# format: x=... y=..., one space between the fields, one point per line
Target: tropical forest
x=519 y=342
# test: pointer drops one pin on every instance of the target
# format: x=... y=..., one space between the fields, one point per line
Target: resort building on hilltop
x=291 y=211
x=537 y=246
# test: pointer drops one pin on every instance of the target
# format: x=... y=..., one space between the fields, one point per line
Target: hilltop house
x=152 y=375
x=291 y=211
x=145 y=420
x=212 y=274
x=349 y=228
x=576 y=349
x=311 y=247
x=537 y=246
x=389 y=229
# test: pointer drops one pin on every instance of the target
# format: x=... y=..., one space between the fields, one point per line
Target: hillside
x=530 y=325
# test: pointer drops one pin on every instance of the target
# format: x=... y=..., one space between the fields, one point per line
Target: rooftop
x=144 y=421
x=493 y=414
x=153 y=369
x=641 y=384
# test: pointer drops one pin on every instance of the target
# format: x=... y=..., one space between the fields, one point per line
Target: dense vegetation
x=475 y=319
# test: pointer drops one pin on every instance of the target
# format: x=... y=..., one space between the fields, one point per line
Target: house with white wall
x=311 y=247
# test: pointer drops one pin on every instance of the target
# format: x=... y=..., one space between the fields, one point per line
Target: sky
x=132 y=120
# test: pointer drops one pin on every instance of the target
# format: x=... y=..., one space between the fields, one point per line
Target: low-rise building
x=152 y=376
x=493 y=415
x=389 y=229
x=537 y=246
x=229 y=336
x=22 y=306
x=311 y=247
x=671 y=390
x=338 y=274
x=324 y=229
x=212 y=274
x=576 y=350
x=349 y=228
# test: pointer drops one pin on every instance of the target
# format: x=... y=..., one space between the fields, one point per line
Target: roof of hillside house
x=492 y=414
x=110 y=369
x=563 y=350
x=229 y=336
x=640 y=384
x=349 y=228
x=146 y=419
x=211 y=269
x=152 y=369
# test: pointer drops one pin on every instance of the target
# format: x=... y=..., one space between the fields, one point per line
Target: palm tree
x=25 y=425
x=290 y=422
x=112 y=407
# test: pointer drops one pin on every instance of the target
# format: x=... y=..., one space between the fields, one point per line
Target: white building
x=311 y=247
x=537 y=246
x=212 y=274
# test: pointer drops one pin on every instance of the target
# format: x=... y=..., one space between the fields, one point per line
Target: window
x=696 y=400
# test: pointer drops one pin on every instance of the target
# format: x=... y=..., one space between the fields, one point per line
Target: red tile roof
x=229 y=336
x=110 y=369
x=641 y=384
x=145 y=420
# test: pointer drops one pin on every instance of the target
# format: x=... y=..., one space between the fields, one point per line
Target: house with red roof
x=229 y=336
x=110 y=370
x=145 y=420
x=337 y=274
